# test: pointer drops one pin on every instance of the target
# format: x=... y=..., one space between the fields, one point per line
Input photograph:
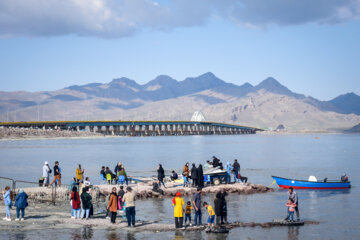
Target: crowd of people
x=118 y=176
x=81 y=200
x=196 y=204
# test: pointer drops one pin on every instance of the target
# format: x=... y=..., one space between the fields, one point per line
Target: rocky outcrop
x=23 y=133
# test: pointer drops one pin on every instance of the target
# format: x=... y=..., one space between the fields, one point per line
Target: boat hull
x=303 y=184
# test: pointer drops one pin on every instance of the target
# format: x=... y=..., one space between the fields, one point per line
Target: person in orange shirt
x=113 y=205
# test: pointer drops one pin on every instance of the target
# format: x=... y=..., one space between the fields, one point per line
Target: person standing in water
x=294 y=197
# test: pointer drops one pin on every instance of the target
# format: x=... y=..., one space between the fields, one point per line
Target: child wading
x=291 y=209
x=178 y=203
x=188 y=209
x=8 y=203
x=211 y=212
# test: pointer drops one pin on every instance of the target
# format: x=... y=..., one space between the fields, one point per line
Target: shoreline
x=37 y=134
x=38 y=217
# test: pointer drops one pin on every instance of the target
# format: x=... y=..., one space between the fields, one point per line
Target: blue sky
x=316 y=53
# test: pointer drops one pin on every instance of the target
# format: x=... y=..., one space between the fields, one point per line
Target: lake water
x=260 y=156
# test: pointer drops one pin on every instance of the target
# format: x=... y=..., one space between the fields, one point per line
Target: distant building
x=197 y=117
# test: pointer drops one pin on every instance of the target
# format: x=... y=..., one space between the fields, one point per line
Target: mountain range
x=265 y=105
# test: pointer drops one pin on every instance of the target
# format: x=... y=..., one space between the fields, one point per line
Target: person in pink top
x=291 y=209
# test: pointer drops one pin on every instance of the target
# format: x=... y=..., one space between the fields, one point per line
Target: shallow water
x=260 y=156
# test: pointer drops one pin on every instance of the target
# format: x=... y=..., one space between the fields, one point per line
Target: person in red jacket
x=75 y=203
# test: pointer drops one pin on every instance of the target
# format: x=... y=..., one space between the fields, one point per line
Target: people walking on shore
x=79 y=174
x=211 y=212
x=46 y=174
x=178 y=203
x=236 y=169
x=197 y=206
x=20 y=204
x=7 y=196
x=186 y=174
x=113 y=205
x=86 y=203
x=293 y=195
x=57 y=174
x=75 y=203
x=129 y=200
x=188 y=209
x=161 y=174
x=194 y=175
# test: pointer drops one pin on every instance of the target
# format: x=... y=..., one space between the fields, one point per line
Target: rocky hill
x=266 y=105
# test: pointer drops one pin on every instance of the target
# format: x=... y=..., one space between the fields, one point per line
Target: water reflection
x=82 y=233
x=293 y=233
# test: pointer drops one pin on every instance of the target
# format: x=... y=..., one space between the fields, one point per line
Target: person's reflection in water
x=131 y=236
x=216 y=236
x=293 y=233
x=112 y=235
x=87 y=233
x=179 y=235
x=76 y=234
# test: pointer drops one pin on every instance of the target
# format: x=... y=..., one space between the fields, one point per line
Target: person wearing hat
x=46 y=174
x=129 y=200
x=178 y=203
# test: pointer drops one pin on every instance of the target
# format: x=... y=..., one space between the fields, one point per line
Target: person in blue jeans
x=8 y=203
x=129 y=200
x=20 y=204
x=197 y=206
x=86 y=203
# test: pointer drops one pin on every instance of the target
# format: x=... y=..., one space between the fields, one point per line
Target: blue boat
x=304 y=184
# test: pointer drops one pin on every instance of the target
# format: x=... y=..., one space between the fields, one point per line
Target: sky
x=310 y=46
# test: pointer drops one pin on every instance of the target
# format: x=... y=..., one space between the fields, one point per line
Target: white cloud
x=120 y=18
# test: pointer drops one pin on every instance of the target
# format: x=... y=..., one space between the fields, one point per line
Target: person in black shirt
x=57 y=174
x=236 y=169
x=161 y=174
x=194 y=175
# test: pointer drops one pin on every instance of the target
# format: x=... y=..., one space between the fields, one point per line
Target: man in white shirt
x=46 y=174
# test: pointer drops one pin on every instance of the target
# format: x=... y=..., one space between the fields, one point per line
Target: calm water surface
x=260 y=156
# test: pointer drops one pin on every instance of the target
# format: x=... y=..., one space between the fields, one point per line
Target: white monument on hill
x=197 y=117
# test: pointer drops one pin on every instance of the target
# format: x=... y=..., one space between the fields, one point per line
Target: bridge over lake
x=139 y=128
